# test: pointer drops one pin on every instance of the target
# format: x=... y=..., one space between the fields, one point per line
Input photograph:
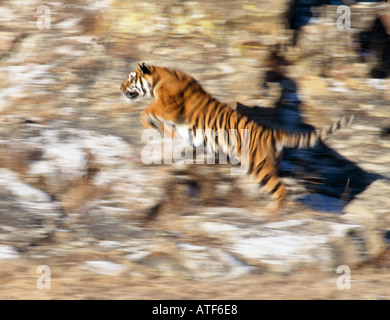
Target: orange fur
x=179 y=99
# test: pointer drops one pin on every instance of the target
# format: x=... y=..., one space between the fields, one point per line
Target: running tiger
x=180 y=101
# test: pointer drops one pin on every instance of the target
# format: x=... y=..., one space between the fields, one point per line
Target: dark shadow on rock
x=385 y=132
x=300 y=12
x=375 y=44
x=333 y=179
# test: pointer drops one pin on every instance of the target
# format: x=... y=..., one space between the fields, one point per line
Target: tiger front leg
x=152 y=121
x=279 y=194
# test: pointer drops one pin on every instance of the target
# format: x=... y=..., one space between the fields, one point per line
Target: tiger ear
x=144 y=68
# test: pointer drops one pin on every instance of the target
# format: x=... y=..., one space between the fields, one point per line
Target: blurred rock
x=76 y=166
x=7 y=41
x=372 y=210
x=7 y=252
x=103 y=267
x=289 y=245
x=28 y=215
x=203 y=262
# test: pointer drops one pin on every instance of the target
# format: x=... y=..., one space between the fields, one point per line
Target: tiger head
x=139 y=83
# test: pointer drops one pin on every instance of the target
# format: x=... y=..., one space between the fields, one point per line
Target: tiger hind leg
x=279 y=193
x=272 y=185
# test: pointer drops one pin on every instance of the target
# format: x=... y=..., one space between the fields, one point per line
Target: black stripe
x=265 y=179
x=176 y=75
x=198 y=102
x=196 y=121
x=214 y=116
x=142 y=86
x=172 y=73
x=276 y=188
x=259 y=168
x=190 y=87
x=246 y=122
x=250 y=164
x=220 y=121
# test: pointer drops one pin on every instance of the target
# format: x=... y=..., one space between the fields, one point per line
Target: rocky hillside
x=76 y=196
